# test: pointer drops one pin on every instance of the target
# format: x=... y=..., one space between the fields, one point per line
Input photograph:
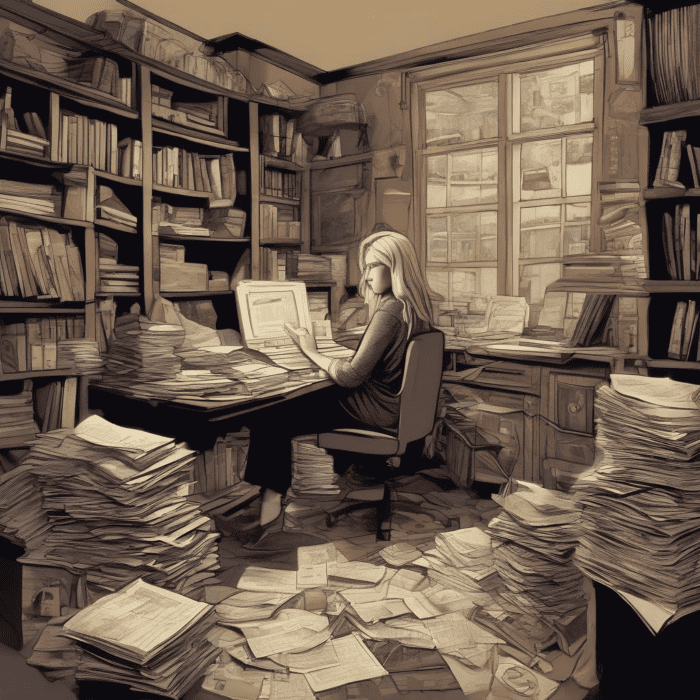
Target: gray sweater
x=375 y=372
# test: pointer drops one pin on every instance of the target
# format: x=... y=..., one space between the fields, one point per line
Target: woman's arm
x=307 y=344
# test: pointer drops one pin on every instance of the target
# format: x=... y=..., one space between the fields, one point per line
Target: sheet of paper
x=471 y=679
x=316 y=554
x=655 y=616
x=356 y=571
x=517 y=679
x=450 y=631
x=656 y=390
x=99 y=431
x=293 y=686
x=420 y=606
x=320 y=657
x=233 y=681
x=357 y=663
x=381 y=609
x=291 y=630
x=257 y=578
x=312 y=576
x=357 y=596
x=405 y=581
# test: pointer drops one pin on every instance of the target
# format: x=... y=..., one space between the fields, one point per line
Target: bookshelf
x=671 y=204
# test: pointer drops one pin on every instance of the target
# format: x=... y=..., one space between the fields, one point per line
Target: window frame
x=503 y=67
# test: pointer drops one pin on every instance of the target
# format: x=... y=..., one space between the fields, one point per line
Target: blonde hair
x=408 y=284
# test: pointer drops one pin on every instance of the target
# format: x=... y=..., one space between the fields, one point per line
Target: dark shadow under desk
x=198 y=423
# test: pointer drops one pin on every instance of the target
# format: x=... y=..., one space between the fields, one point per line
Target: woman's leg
x=269 y=461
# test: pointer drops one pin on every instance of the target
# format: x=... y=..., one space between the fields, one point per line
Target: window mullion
x=504 y=246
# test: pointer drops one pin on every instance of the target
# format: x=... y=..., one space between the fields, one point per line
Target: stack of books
x=225 y=222
x=17 y=415
x=143 y=350
x=153 y=640
x=640 y=504
x=29 y=197
x=110 y=208
x=312 y=468
x=114 y=276
x=100 y=73
x=312 y=267
x=79 y=354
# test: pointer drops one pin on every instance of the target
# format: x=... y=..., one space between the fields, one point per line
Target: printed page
x=381 y=610
x=98 y=431
x=320 y=657
x=256 y=578
x=357 y=663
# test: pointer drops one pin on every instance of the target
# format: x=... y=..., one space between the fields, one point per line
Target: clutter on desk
x=639 y=502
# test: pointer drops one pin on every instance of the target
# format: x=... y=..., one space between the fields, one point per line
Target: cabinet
x=540 y=415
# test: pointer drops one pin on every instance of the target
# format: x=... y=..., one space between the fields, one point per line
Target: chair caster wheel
x=331 y=520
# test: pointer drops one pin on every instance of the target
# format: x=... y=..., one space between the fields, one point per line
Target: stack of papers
x=143 y=350
x=81 y=354
x=17 y=415
x=535 y=536
x=312 y=468
x=116 y=506
x=155 y=641
x=23 y=520
x=640 y=523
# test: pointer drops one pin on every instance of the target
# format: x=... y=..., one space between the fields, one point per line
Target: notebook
x=264 y=308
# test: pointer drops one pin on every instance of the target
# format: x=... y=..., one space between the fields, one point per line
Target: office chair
x=417 y=407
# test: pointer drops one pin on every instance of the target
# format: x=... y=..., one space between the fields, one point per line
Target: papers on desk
x=111 y=504
x=152 y=639
x=640 y=504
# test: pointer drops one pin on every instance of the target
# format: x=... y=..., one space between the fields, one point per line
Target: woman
x=368 y=384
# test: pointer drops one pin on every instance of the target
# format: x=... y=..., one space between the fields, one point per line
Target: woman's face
x=378 y=274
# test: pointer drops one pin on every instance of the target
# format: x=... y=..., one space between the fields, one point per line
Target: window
x=507 y=161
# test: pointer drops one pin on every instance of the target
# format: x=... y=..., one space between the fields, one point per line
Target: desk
x=199 y=423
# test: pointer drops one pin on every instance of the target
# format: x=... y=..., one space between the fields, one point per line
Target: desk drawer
x=509 y=376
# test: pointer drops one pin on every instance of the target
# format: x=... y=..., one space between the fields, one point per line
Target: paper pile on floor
x=332 y=624
x=641 y=503
x=110 y=503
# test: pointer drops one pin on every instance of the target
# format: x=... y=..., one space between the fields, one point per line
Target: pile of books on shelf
x=110 y=208
x=225 y=222
x=613 y=272
x=312 y=468
x=681 y=244
x=277 y=133
x=29 y=197
x=177 y=220
x=674 y=61
x=32 y=344
x=100 y=73
x=197 y=115
x=17 y=415
x=114 y=276
x=176 y=275
x=37 y=261
x=273 y=265
x=312 y=267
x=32 y=140
x=640 y=505
x=79 y=354
x=56 y=404
x=279 y=222
x=176 y=167
x=153 y=640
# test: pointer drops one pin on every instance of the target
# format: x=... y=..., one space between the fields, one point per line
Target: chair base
x=382 y=507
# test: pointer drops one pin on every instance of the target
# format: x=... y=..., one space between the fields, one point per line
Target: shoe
x=255 y=536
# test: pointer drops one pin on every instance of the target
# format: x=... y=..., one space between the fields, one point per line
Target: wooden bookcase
x=666 y=112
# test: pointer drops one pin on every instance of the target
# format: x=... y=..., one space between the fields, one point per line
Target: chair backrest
x=420 y=387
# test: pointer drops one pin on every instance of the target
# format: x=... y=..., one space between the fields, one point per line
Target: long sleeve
x=381 y=332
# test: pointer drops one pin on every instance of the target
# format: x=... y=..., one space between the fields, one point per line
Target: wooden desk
x=199 y=423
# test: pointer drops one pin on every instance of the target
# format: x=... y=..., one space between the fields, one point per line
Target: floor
x=304 y=524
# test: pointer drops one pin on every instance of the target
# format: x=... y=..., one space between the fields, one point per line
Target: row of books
x=213 y=222
x=273 y=265
x=683 y=342
x=17 y=414
x=176 y=167
x=592 y=323
x=87 y=141
x=279 y=183
x=55 y=404
x=32 y=344
x=279 y=222
x=223 y=465
x=277 y=134
x=674 y=54
x=681 y=244
x=39 y=262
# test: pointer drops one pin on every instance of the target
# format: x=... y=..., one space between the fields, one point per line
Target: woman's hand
x=306 y=341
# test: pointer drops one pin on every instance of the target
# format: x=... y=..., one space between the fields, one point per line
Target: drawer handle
x=574 y=408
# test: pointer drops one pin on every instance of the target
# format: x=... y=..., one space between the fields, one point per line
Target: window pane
x=534 y=280
x=540 y=167
x=579 y=164
x=437 y=238
x=465 y=286
x=577 y=229
x=473 y=237
x=474 y=178
x=556 y=97
x=437 y=182
x=439 y=281
x=461 y=114
x=540 y=232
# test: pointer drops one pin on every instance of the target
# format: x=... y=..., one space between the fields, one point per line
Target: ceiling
x=332 y=34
